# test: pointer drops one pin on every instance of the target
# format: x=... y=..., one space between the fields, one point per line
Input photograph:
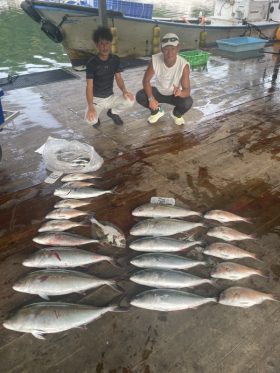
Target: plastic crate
x=195 y=58
x=241 y=44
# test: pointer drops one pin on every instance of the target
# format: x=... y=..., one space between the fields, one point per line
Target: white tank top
x=165 y=76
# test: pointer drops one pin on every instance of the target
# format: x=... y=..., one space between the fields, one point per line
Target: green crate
x=195 y=58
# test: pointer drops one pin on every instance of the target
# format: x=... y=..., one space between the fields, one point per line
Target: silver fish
x=224 y=216
x=161 y=244
x=65 y=214
x=162 y=227
x=234 y=271
x=59 y=282
x=162 y=278
x=63 y=257
x=86 y=192
x=153 y=210
x=71 y=203
x=60 y=225
x=62 y=239
x=228 y=234
x=164 y=261
x=243 y=297
x=53 y=317
x=110 y=233
x=79 y=177
x=227 y=251
x=168 y=300
x=77 y=184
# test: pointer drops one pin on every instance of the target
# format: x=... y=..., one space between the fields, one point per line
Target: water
x=25 y=48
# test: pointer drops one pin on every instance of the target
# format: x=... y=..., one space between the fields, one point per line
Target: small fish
x=227 y=251
x=77 y=184
x=162 y=278
x=49 y=282
x=162 y=227
x=64 y=257
x=86 y=192
x=228 y=234
x=243 y=297
x=65 y=214
x=71 y=203
x=161 y=244
x=61 y=225
x=234 y=271
x=79 y=177
x=53 y=317
x=110 y=233
x=168 y=300
x=164 y=261
x=62 y=239
x=153 y=210
x=224 y=216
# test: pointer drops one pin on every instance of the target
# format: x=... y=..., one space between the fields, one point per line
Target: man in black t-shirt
x=101 y=71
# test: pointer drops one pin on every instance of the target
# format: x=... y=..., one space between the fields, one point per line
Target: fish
x=228 y=234
x=161 y=244
x=163 y=278
x=162 y=227
x=164 y=261
x=153 y=210
x=60 y=213
x=243 y=297
x=61 y=225
x=62 y=239
x=54 y=317
x=64 y=257
x=234 y=271
x=227 y=251
x=168 y=300
x=78 y=177
x=110 y=233
x=49 y=282
x=86 y=192
x=77 y=184
x=71 y=203
x=225 y=216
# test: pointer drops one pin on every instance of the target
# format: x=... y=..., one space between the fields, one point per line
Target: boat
x=73 y=25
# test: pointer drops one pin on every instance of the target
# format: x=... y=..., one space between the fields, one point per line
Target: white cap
x=169 y=39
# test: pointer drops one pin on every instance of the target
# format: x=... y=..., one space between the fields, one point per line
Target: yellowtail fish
x=71 y=203
x=153 y=210
x=62 y=239
x=79 y=177
x=59 y=213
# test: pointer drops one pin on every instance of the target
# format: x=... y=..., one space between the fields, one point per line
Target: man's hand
x=177 y=91
x=129 y=95
x=153 y=104
x=91 y=114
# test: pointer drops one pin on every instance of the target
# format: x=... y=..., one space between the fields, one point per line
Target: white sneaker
x=155 y=117
x=178 y=120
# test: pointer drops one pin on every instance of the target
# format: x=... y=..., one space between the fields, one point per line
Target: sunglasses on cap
x=165 y=40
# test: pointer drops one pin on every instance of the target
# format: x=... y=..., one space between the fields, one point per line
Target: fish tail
x=256 y=258
x=113 y=190
x=274 y=297
x=116 y=287
x=116 y=303
x=247 y=220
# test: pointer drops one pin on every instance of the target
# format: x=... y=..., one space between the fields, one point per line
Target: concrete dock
x=225 y=157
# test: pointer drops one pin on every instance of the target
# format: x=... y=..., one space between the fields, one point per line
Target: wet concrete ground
x=226 y=157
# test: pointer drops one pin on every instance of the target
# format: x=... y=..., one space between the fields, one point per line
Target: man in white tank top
x=172 y=83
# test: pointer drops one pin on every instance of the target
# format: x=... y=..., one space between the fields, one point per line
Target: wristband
x=150 y=98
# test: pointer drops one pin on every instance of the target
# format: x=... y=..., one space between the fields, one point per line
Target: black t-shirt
x=103 y=73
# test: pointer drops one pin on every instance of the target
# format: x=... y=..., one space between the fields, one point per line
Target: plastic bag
x=70 y=156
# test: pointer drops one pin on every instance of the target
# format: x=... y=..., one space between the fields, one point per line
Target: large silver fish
x=163 y=278
x=61 y=225
x=168 y=300
x=234 y=271
x=53 y=317
x=63 y=257
x=86 y=192
x=79 y=177
x=153 y=210
x=164 y=261
x=228 y=234
x=65 y=214
x=161 y=244
x=77 y=184
x=111 y=234
x=162 y=227
x=243 y=297
x=62 y=239
x=59 y=282
x=227 y=251
x=224 y=216
x=71 y=203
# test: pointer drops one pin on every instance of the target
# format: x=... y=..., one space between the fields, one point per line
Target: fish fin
x=38 y=335
x=44 y=296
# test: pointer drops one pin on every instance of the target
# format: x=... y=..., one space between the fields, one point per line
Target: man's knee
x=185 y=104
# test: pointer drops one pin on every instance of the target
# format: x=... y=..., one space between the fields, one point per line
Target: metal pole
x=103 y=13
